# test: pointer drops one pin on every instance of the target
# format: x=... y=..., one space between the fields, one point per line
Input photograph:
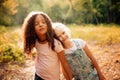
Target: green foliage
x=2 y=1
x=57 y=16
x=10 y=46
x=11 y=52
x=68 y=11
x=7 y=10
x=2 y=29
x=6 y=20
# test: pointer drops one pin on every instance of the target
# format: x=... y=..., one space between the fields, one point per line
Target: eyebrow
x=62 y=33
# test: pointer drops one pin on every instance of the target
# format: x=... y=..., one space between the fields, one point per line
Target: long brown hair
x=29 y=34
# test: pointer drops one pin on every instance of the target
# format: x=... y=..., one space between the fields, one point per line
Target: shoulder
x=79 y=41
x=58 y=46
x=57 y=42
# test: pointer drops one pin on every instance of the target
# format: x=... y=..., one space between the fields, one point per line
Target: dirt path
x=108 y=58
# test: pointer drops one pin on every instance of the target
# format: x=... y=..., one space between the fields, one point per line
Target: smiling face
x=62 y=33
x=40 y=25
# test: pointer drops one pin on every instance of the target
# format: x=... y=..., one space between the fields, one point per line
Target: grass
x=102 y=34
x=11 y=38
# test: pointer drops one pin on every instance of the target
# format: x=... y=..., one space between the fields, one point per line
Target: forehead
x=59 y=30
x=39 y=17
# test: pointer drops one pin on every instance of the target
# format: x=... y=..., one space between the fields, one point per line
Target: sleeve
x=58 y=46
x=82 y=43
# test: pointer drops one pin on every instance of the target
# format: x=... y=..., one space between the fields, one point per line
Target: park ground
x=108 y=58
x=106 y=52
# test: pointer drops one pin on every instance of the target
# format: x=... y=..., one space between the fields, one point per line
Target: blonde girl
x=83 y=64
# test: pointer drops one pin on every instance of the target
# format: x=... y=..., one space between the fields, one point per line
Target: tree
x=7 y=9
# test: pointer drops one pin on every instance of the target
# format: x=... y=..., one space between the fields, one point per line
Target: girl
x=38 y=34
x=79 y=57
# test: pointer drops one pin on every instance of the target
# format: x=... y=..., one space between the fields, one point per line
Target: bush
x=10 y=52
x=10 y=46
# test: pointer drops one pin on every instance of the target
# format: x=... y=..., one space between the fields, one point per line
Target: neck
x=42 y=39
x=68 y=44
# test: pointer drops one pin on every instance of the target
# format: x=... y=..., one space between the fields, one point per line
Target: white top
x=81 y=43
x=47 y=63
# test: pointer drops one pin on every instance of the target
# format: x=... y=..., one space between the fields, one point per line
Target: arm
x=66 y=68
x=89 y=54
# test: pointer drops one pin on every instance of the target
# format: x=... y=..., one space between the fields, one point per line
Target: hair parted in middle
x=29 y=34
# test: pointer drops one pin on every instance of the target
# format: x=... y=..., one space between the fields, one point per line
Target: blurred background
x=13 y=12
x=95 y=21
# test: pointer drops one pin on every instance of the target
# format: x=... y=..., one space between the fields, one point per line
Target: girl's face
x=62 y=34
x=40 y=25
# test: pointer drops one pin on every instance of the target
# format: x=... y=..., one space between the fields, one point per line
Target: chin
x=65 y=41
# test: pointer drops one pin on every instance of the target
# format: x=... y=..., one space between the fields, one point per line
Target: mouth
x=41 y=29
x=64 y=39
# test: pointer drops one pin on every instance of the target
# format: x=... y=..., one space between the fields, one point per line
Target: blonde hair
x=59 y=25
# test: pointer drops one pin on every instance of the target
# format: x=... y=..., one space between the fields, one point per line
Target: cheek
x=46 y=30
x=45 y=25
x=68 y=35
x=60 y=38
x=36 y=29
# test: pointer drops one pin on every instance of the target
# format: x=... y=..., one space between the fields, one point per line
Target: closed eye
x=36 y=23
x=63 y=33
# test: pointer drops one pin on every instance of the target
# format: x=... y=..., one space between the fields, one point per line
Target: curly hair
x=29 y=34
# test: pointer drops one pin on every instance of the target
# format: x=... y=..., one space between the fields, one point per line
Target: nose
x=40 y=24
x=63 y=36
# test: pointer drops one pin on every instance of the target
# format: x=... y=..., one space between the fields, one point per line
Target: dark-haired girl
x=38 y=34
